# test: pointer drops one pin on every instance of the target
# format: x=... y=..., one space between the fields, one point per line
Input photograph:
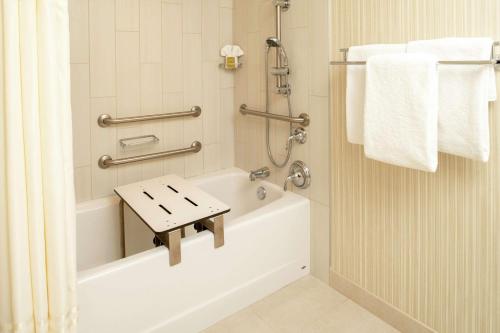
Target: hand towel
x=401 y=110
x=464 y=94
x=355 y=94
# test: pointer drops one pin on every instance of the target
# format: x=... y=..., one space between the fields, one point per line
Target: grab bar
x=106 y=120
x=302 y=119
x=107 y=161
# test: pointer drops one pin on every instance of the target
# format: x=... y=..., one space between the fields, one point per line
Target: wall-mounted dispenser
x=231 y=54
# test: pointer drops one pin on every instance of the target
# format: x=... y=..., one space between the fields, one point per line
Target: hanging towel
x=401 y=110
x=355 y=95
x=464 y=94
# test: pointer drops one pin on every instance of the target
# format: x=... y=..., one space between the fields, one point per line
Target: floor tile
x=305 y=306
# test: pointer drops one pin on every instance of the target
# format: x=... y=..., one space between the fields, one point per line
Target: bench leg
x=173 y=243
x=217 y=228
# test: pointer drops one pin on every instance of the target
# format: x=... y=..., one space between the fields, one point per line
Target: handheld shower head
x=273 y=42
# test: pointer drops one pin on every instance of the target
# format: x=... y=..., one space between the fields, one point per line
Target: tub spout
x=259 y=173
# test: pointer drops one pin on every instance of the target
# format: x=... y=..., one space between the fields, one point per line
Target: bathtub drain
x=261 y=193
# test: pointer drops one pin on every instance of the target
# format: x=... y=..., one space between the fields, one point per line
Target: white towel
x=355 y=102
x=464 y=94
x=401 y=110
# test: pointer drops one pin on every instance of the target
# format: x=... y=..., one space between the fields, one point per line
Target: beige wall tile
x=103 y=141
x=210 y=29
x=320 y=241
x=127 y=74
x=319 y=143
x=102 y=48
x=83 y=184
x=174 y=133
x=227 y=134
x=319 y=47
x=80 y=105
x=147 y=56
x=127 y=15
x=150 y=29
x=226 y=3
x=211 y=102
x=191 y=16
x=172 y=48
x=79 y=30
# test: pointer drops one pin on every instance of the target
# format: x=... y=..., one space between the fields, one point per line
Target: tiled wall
x=305 y=36
x=137 y=57
x=426 y=244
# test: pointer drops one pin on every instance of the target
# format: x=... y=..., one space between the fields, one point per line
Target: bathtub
x=126 y=285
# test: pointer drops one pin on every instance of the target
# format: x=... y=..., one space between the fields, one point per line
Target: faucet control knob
x=299 y=135
x=299 y=174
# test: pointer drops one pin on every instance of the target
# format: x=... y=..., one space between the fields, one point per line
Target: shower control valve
x=299 y=135
x=299 y=174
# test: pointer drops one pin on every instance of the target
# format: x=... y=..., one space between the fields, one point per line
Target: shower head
x=273 y=42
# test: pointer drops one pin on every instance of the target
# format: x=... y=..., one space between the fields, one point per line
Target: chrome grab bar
x=106 y=120
x=303 y=119
x=107 y=161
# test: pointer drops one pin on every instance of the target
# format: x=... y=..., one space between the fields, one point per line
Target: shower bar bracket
x=303 y=119
x=494 y=60
x=106 y=120
x=107 y=161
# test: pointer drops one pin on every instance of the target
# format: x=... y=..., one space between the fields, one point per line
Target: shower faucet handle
x=299 y=174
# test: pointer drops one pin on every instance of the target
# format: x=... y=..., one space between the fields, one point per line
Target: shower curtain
x=37 y=213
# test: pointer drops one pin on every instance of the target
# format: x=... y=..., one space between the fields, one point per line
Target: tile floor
x=307 y=305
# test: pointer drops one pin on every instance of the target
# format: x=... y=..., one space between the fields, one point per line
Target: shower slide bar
x=303 y=119
x=495 y=60
x=107 y=161
x=106 y=120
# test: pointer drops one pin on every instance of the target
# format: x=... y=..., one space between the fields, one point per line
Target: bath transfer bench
x=169 y=204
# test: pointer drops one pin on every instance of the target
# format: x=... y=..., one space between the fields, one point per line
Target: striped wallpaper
x=428 y=244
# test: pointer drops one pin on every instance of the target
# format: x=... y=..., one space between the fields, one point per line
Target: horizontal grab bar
x=107 y=161
x=302 y=119
x=106 y=120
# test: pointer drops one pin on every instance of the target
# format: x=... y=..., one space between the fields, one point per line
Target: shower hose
x=289 y=145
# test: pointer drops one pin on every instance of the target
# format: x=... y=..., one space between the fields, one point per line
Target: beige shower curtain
x=37 y=213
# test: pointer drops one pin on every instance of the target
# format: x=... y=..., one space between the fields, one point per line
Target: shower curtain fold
x=37 y=206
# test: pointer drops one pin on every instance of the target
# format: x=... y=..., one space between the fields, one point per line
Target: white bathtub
x=266 y=247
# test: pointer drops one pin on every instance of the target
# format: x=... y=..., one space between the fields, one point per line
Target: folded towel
x=356 y=86
x=401 y=110
x=464 y=94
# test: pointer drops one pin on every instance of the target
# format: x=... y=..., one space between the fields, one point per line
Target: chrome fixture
x=106 y=120
x=281 y=72
x=282 y=4
x=263 y=172
x=302 y=119
x=299 y=174
x=261 y=193
x=138 y=141
x=494 y=60
x=107 y=161
x=299 y=136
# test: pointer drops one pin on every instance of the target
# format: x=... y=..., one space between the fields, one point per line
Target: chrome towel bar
x=494 y=60
x=107 y=161
x=106 y=120
x=303 y=119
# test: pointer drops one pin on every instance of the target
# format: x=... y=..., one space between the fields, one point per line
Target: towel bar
x=495 y=59
x=107 y=161
x=106 y=120
x=302 y=119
